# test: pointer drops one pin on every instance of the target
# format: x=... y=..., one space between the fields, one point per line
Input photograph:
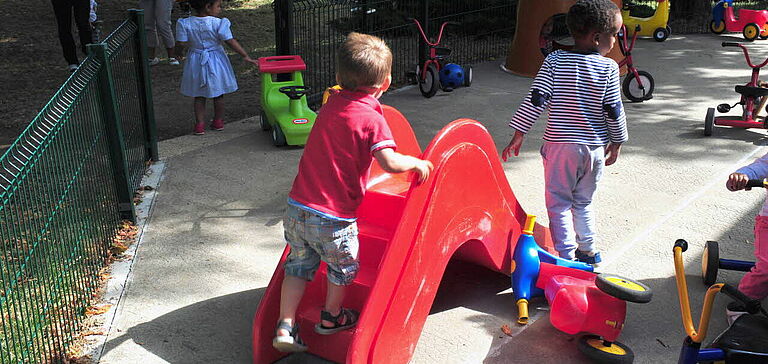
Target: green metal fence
x=65 y=186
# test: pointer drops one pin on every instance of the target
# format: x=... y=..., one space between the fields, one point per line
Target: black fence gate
x=314 y=29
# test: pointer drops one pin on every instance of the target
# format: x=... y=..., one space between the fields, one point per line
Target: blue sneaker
x=593 y=257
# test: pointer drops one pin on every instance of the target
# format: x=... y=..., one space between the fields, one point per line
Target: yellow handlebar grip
x=522 y=311
x=530 y=222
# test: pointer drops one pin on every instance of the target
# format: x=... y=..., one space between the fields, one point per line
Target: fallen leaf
x=506 y=330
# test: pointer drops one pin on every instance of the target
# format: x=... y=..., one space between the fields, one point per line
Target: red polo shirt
x=333 y=170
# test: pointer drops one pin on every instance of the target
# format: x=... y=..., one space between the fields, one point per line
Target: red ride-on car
x=751 y=23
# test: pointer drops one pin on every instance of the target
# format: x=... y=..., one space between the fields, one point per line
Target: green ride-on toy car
x=284 y=108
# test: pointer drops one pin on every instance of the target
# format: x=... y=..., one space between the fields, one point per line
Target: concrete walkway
x=216 y=233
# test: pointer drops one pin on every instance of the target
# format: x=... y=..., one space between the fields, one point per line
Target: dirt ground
x=34 y=67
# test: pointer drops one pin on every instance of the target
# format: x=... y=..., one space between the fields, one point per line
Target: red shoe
x=217 y=125
x=199 y=129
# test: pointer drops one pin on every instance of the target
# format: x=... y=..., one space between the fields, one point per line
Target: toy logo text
x=300 y=121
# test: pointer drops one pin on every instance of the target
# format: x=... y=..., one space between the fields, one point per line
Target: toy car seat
x=746 y=341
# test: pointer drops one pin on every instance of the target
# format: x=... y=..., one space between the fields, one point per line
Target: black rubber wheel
x=278 y=138
x=431 y=82
x=710 y=262
x=468 y=76
x=593 y=347
x=623 y=288
x=751 y=31
x=660 y=34
x=264 y=122
x=631 y=86
x=717 y=28
x=709 y=122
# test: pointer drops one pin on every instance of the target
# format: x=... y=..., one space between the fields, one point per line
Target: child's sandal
x=291 y=343
x=349 y=320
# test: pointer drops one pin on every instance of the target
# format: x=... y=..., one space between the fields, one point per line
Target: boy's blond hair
x=363 y=61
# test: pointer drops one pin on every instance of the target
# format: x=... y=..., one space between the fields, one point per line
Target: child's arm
x=616 y=120
x=756 y=170
x=394 y=162
x=239 y=50
x=529 y=111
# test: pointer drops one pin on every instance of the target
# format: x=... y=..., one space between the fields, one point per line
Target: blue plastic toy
x=452 y=76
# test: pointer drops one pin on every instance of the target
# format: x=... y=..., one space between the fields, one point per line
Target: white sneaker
x=173 y=61
x=72 y=67
x=153 y=61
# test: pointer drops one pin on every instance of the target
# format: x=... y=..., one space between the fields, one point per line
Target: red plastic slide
x=408 y=233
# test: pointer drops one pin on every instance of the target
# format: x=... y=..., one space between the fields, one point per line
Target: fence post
x=113 y=127
x=283 y=27
x=145 y=83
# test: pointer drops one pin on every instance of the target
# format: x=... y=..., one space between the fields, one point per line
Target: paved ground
x=215 y=236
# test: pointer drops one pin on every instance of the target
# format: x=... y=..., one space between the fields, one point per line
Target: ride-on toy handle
x=730 y=44
x=756 y=183
x=746 y=54
x=294 y=92
x=752 y=306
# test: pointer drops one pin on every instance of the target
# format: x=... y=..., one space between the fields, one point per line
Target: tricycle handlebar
x=756 y=183
x=746 y=54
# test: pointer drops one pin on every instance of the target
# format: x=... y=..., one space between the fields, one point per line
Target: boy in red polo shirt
x=349 y=132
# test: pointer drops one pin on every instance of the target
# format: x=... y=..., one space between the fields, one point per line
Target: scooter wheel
x=623 y=288
x=718 y=28
x=264 y=122
x=660 y=34
x=593 y=347
x=709 y=122
x=429 y=85
x=278 y=138
x=638 y=89
x=710 y=262
x=751 y=31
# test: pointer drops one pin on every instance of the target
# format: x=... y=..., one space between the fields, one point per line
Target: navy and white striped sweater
x=582 y=94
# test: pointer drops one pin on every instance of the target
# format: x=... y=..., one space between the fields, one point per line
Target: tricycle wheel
x=751 y=31
x=593 y=347
x=429 y=85
x=278 y=138
x=632 y=86
x=264 y=122
x=710 y=262
x=709 y=122
x=660 y=34
x=718 y=28
x=467 y=76
x=623 y=288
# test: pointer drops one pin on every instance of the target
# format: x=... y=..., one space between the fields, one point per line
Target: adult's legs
x=583 y=211
x=82 y=10
x=149 y=25
x=163 y=10
x=63 y=11
x=561 y=165
x=755 y=283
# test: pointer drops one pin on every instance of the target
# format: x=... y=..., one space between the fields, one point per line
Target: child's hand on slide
x=423 y=168
x=737 y=181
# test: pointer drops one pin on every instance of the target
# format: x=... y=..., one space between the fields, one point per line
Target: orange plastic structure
x=524 y=56
x=408 y=233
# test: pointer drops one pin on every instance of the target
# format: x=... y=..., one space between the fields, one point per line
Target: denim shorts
x=313 y=238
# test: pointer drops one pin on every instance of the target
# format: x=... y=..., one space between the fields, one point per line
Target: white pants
x=157 y=21
x=571 y=173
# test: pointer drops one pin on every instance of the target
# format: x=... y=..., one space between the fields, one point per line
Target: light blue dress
x=207 y=71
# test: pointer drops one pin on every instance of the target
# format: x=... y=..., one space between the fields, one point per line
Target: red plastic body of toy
x=281 y=64
x=577 y=305
x=408 y=233
x=746 y=16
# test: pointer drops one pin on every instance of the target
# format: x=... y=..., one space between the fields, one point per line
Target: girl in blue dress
x=207 y=71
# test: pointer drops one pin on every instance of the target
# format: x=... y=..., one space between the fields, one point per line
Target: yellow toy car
x=654 y=26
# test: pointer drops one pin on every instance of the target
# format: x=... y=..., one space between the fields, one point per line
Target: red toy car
x=751 y=23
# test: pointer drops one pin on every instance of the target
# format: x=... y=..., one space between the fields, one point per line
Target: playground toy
x=745 y=341
x=638 y=85
x=408 y=232
x=284 y=108
x=751 y=95
x=580 y=300
x=654 y=26
x=710 y=259
x=525 y=57
x=751 y=23
x=430 y=74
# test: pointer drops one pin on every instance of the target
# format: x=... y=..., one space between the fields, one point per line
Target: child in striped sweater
x=585 y=127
